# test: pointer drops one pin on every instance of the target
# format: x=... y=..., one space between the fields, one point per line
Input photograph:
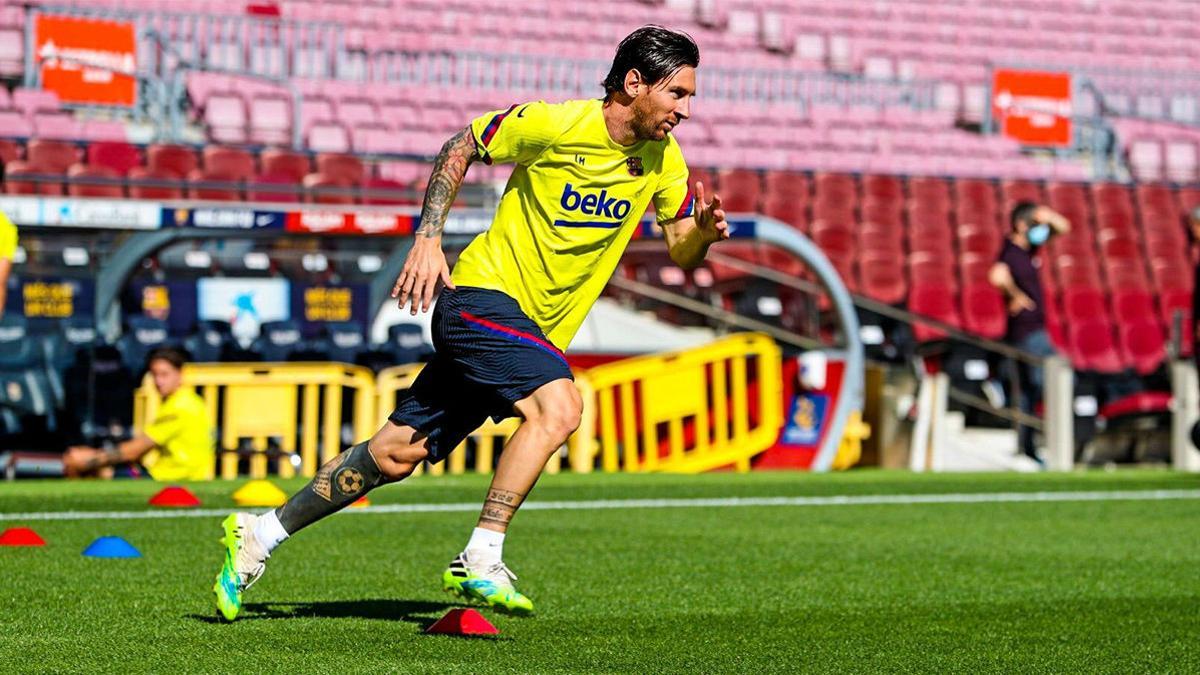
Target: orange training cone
x=462 y=622
x=21 y=536
x=175 y=497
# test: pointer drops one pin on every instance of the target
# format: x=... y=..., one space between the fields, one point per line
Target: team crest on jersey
x=634 y=164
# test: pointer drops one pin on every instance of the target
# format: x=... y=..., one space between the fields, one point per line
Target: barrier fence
x=687 y=411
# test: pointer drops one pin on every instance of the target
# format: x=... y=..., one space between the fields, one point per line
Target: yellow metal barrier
x=298 y=403
x=710 y=386
x=488 y=439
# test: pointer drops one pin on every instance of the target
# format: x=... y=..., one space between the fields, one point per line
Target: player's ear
x=633 y=82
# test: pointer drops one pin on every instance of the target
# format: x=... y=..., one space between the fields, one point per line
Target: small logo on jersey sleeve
x=634 y=164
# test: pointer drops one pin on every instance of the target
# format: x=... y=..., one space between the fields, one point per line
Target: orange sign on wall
x=82 y=60
x=1033 y=106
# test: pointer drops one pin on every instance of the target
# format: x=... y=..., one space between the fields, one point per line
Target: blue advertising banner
x=223 y=218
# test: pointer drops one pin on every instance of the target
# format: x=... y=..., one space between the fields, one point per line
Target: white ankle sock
x=269 y=531
x=489 y=544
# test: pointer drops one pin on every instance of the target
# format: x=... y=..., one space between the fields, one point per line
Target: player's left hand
x=710 y=217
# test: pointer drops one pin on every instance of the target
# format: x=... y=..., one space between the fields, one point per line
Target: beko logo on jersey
x=593 y=204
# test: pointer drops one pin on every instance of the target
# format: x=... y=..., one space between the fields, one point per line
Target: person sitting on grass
x=177 y=445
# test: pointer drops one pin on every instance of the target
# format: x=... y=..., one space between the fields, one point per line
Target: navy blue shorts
x=489 y=355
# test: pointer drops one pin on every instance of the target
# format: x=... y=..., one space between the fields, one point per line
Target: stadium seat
x=235 y=163
x=343 y=341
x=214 y=185
x=1092 y=346
x=17 y=170
x=55 y=156
x=325 y=189
x=407 y=344
x=210 y=341
x=346 y=168
x=984 y=312
x=142 y=334
x=286 y=163
x=26 y=395
x=64 y=347
x=376 y=191
x=1144 y=345
x=10 y=150
x=259 y=188
x=739 y=190
x=178 y=159
x=120 y=157
x=79 y=185
x=933 y=300
x=138 y=176
x=278 y=341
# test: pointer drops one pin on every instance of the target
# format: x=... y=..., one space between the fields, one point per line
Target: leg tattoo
x=338 y=483
x=499 y=508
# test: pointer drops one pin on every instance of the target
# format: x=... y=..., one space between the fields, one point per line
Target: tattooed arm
x=426 y=262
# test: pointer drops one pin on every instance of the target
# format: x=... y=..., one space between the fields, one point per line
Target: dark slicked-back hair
x=655 y=52
x=1023 y=211
x=172 y=355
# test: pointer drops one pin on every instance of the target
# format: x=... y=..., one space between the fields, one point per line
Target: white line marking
x=722 y=502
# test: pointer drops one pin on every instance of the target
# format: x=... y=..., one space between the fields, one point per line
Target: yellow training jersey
x=184 y=437
x=570 y=207
x=8 y=238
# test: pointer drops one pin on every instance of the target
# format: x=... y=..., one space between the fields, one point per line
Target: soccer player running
x=585 y=173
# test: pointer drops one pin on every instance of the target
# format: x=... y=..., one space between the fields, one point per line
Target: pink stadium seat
x=225 y=116
x=13 y=123
x=328 y=137
x=56 y=125
x=270 y=120
x=120 y=157
x=30 y=101
x=104 y=130
x=78 y=185
x=178 y=159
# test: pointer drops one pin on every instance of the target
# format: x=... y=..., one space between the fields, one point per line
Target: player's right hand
x=425 y=265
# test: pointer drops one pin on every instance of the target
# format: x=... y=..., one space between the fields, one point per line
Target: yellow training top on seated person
x=184 y=437
x=572 y=203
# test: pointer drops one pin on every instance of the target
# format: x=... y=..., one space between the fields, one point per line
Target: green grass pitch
x=1064 y=586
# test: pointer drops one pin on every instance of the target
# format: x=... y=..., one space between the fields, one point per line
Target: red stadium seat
x=1144 y=345
x=78 y=185
x=140 y=191
x=54 y=156
x=883 y=211
x=384 y=185
x=9 y=150
x=178 y=159
x=882 y=279
x=1091 y=344
x=345 y=168
x=1082 y=303
x=836 y=189
x=259 y=190
x=787 y=209
x=887 y=188
x=118 y=156
x=326 y=189
x=282 y=162
x=933 y=300
x=984 y=312
x=698 y=174
x=234 y=163
x=18 y=169
x=787 y=184
x=975 y=268
x=740 y=190
x=1133 y=304
x=214 y=192
x=930 y=191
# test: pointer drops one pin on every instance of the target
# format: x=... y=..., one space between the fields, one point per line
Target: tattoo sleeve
x=500 y=506
x=448 y=171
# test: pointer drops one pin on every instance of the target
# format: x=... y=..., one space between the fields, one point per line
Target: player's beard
x=646 y=125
